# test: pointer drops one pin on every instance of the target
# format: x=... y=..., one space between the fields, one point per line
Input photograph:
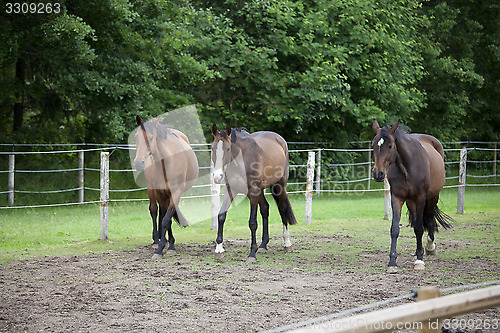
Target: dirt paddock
x=125 y=291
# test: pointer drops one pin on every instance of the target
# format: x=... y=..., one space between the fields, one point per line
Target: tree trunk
x=18 y=110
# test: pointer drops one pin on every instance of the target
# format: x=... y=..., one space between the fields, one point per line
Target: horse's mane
x=162 y=129
x=240 y=130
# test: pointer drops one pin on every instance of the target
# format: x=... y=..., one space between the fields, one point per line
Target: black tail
x=179 y=218
x=287 y=215
x=443 y=219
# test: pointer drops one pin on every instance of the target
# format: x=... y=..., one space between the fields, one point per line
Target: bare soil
x=126 y=291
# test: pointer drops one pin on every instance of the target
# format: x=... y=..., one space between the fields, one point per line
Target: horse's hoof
x=171 y=252
x=288 y=249
x=157 y=256
x=220 y=255
x=261 y=250
x=251 y=260
x=419 y=265
x=154 y=246
x=392 y=269
x=431 y=250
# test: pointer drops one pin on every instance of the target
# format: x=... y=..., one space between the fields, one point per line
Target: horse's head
x=384 y=149
x=221 y=151
x=146 y=140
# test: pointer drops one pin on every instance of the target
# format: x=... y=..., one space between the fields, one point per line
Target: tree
x=82 y=74
x=312 y=70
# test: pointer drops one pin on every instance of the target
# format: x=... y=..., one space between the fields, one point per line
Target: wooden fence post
x=215 y=190
x=309 y=187
x=462 y=175
x=12 y=159
x=387 y=199
x=318 y=172
x=81 y=164
x=104 y=195
x=428 y=293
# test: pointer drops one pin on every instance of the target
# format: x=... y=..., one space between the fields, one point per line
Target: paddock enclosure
x=338 y=262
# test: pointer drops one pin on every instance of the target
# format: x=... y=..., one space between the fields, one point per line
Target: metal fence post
x=81 y=163
x=12 y=163
x=309 y=187
x=462 y=175
x=104 y=195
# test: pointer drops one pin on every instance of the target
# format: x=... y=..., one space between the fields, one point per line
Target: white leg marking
x=430 y=244
x=419 y=262
x=219 y=248
x=286 y=237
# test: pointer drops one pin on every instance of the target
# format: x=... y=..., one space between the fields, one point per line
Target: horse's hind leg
x=430 y=223
x=417 y=209
x=264 y=212
x=286 y=213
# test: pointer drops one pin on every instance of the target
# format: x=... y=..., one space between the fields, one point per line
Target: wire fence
x=342 y=171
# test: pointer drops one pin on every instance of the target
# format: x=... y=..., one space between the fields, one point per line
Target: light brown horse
x=249 y=163
x=414 y=164
x=170 y=168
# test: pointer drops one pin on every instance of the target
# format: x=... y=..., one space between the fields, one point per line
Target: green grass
x=74 y=230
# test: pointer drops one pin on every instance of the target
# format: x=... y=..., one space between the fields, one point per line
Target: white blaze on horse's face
x=380 y=142
x=218 y=159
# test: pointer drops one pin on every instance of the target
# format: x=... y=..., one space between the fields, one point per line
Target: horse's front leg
x=166 y=225
x=221 y=218
x=396 y=204
x=153 y=211
x=252 y=223
x=418 y=228
x=264 y=212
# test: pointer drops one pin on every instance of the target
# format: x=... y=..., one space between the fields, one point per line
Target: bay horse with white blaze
x=414 y=164
x=249 y=163
x=170 y=168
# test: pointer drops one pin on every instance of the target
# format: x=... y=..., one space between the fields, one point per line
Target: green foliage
x=89 y=69
x=315 y=70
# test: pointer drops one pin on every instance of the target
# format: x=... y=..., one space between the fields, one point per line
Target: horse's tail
x=289 y=213
x=431 y=218
x=279 y=194
x=179 y=218
x=443 y=219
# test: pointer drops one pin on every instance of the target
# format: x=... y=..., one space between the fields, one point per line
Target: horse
x=250 y=163
x=414 y=165
x=170 y=168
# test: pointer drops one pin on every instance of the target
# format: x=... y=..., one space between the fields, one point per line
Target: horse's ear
x=215 y=131
x=156 y=121
x=138 y=119
x=228 y=132
x=394 y=127
x=233 y=136
x=376 y=126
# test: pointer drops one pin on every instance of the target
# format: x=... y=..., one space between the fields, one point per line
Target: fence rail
x=316 y=176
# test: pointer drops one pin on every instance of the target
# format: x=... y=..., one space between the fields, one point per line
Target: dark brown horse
x=170 y=168
x=414 y=164
x=249 y=163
